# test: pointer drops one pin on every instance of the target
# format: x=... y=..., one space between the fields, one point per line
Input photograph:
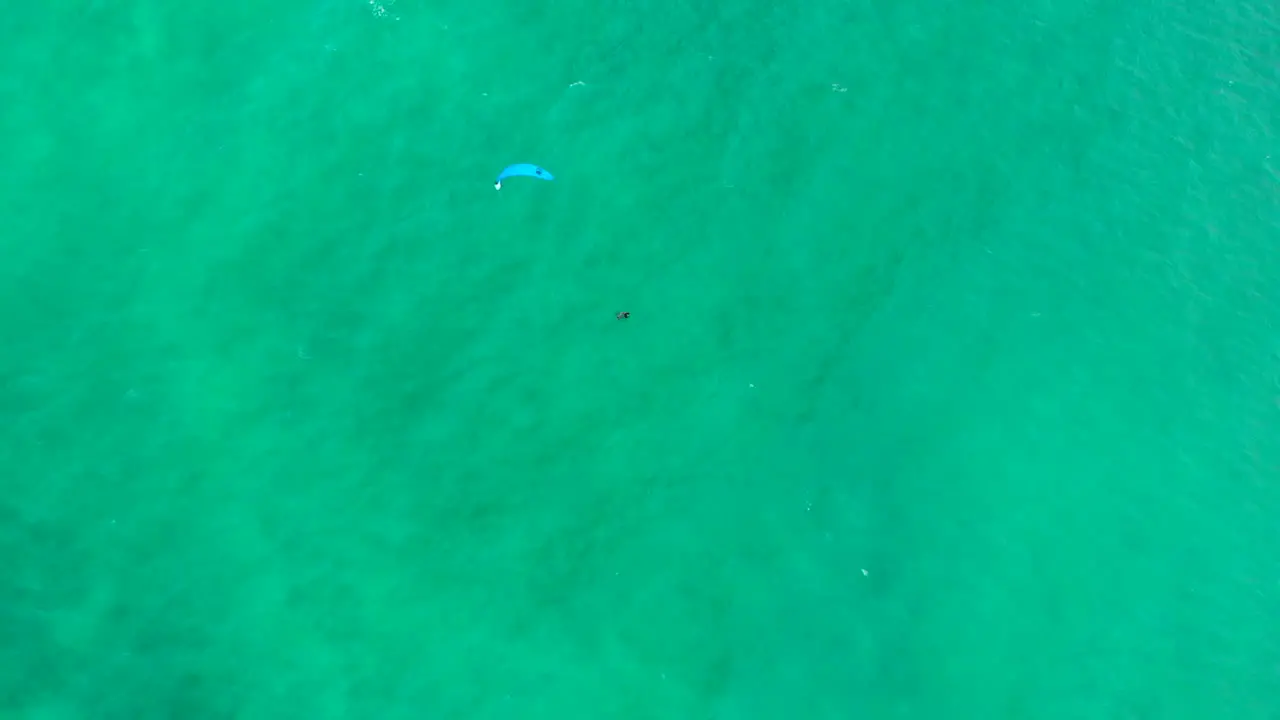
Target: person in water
x=624 y=315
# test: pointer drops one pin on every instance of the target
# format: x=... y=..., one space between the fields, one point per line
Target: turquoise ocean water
x=951 y=387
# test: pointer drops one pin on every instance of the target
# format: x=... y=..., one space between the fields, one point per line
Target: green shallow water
x=951 y=387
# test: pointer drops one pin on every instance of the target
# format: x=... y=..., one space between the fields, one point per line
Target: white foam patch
x=382 y=9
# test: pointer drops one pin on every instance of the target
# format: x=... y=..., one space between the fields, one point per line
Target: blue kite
x=522 y=170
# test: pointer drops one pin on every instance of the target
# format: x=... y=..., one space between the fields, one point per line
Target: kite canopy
x=522 y=170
